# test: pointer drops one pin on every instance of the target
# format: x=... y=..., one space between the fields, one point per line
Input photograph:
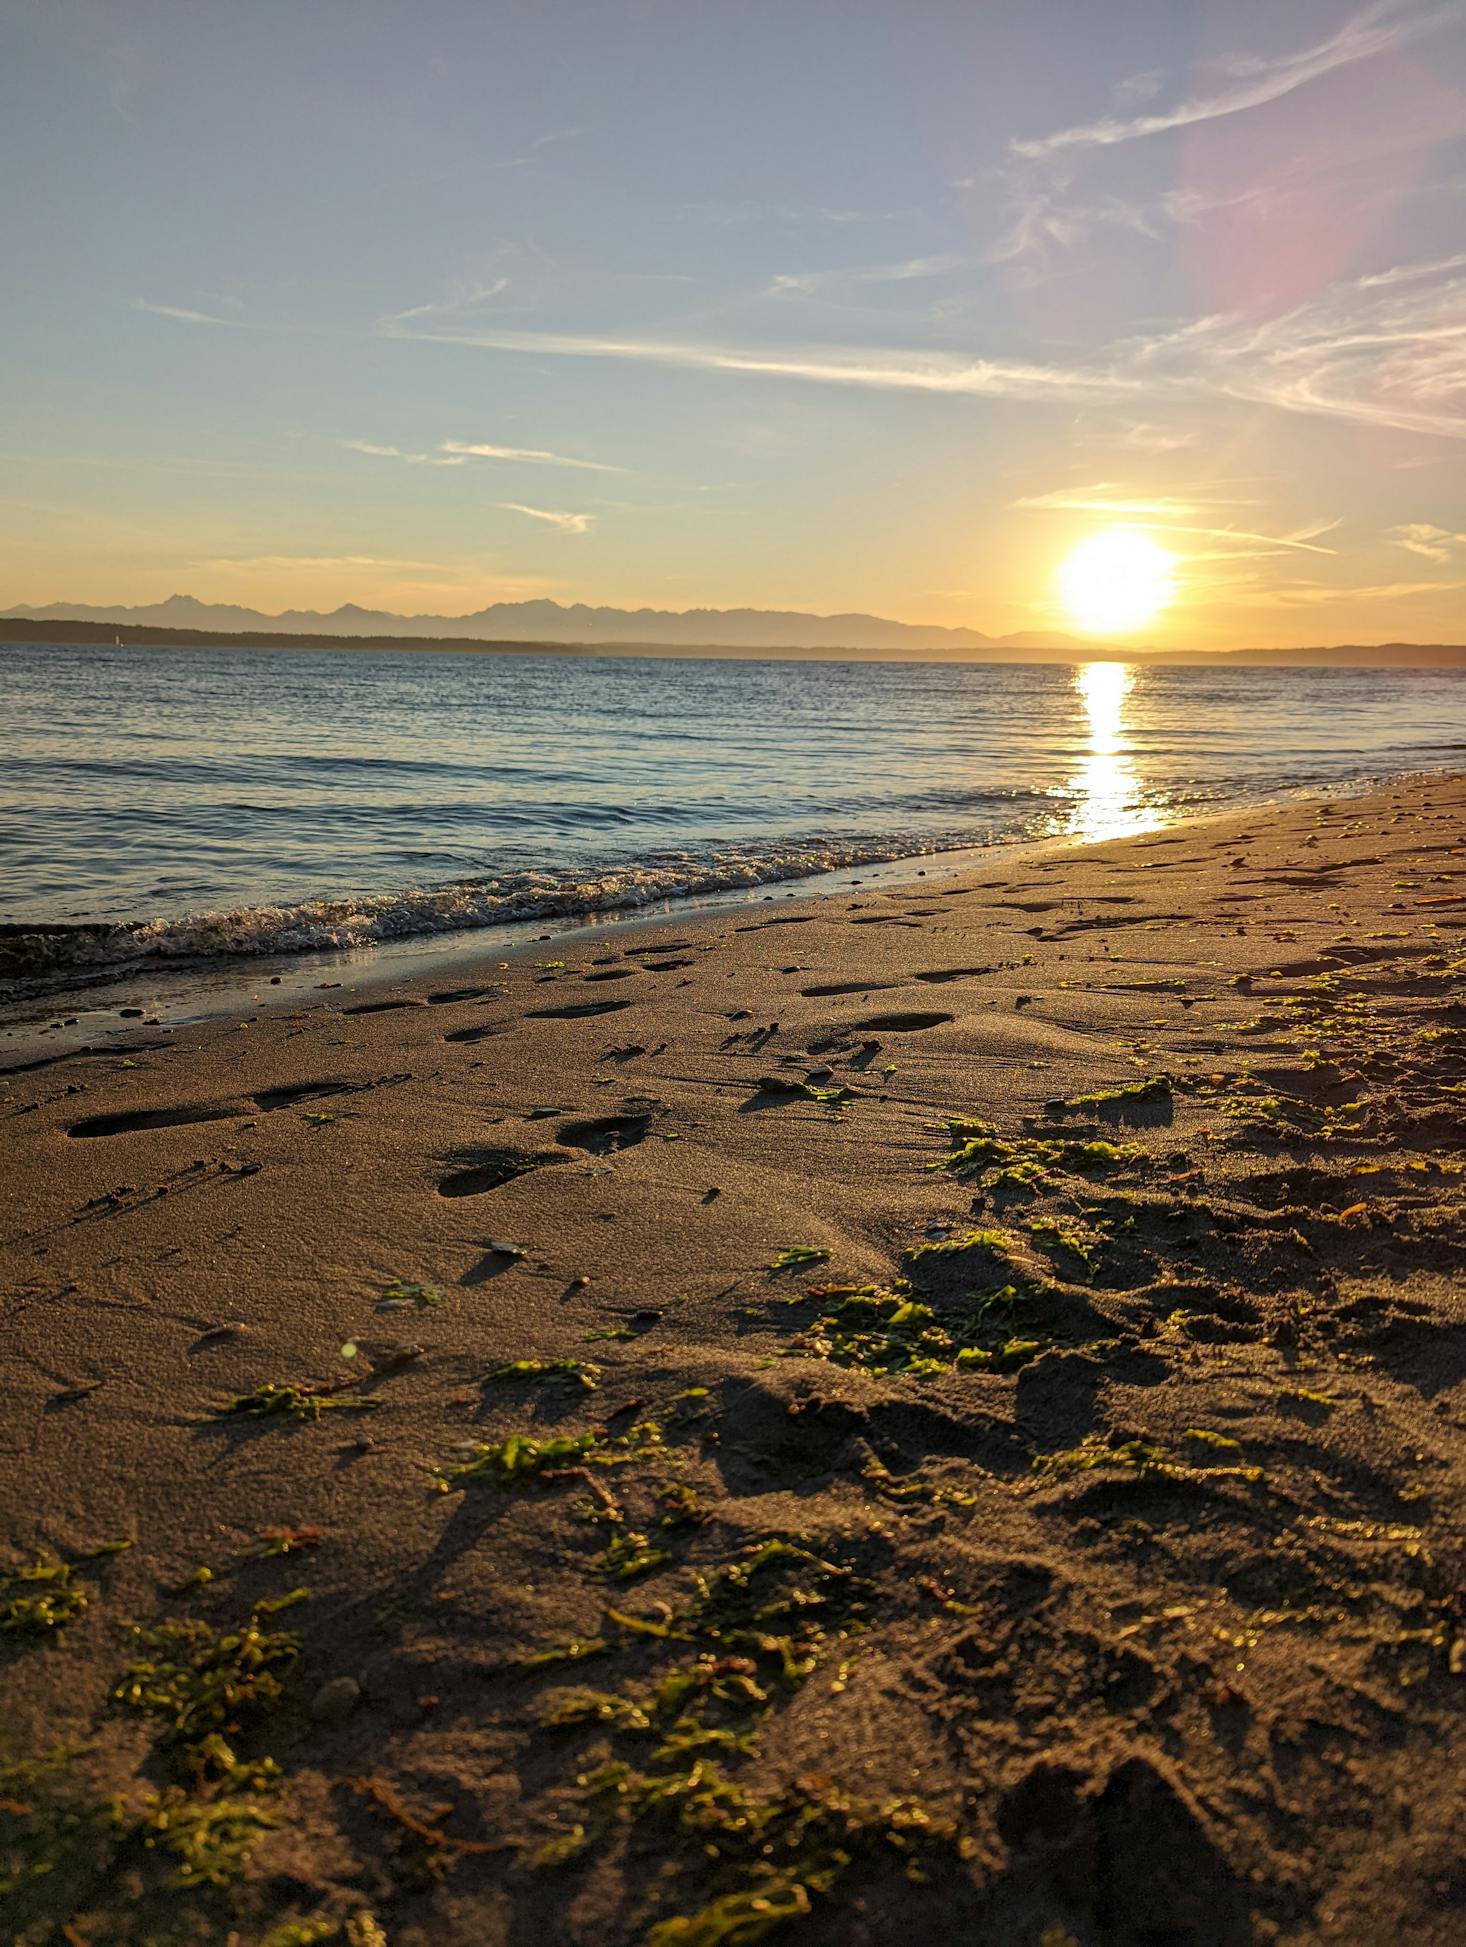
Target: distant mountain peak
x=549 y=621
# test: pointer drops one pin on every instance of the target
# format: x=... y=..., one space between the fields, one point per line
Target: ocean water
x=165 y=806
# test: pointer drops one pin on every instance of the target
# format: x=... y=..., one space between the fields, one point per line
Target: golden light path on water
x=1107 y=786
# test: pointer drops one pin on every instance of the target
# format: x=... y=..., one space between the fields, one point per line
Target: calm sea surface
x=242 y=801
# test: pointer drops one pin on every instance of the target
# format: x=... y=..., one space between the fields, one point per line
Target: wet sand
x=937 y=1408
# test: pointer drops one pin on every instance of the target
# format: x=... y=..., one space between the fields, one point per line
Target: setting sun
x=1116 y=581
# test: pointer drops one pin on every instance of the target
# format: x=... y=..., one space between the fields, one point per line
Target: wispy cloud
x=1425 y=539
x=457 y=452
x=1237 y=541
x=533 y=455
x=1411 y=273
x=1104 y=497
x=460 y=300
x=326 y=562
x=1249 y=81
x=532 y=149
x=181 y=315
x=566 y=523
x=376 y=452
x=809 y=282
x=1386 y=349
x=1312 y=593
x=750 y=211
x=1145 y=438
x=1168 y=515
x=883 y=370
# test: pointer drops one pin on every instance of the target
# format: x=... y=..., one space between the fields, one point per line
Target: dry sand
x=1071 y=1552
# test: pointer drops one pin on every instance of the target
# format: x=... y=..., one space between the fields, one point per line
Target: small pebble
x=334 y=1702
x=234 y=1328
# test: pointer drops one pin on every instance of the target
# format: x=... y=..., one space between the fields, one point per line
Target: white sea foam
x=371 y=918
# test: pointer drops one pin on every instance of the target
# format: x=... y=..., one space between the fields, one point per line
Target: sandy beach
x=934 y=1410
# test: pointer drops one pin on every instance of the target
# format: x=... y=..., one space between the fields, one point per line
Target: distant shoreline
x=1388 y=655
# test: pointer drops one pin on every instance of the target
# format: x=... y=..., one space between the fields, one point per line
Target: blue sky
x=820 y=304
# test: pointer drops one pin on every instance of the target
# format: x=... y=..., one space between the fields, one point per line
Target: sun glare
x=1116 y=581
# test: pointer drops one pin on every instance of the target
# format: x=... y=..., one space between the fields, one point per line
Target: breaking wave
x=368 y=919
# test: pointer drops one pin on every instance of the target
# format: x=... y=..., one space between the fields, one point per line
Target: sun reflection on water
x=1108 y=800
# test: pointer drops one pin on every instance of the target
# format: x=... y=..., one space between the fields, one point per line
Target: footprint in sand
x=847 y=987
x=127 y=1121
x=898 y=1023
x=603 y=1134
x=576 y=1011
x=490 y=1169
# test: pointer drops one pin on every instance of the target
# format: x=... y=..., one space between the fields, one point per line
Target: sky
x=877 y=305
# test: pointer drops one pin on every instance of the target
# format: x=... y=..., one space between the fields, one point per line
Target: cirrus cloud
x=566 y=523
x=1251 y=81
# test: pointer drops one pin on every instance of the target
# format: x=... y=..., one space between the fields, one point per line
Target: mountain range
x=546 y=621
x=550 y=628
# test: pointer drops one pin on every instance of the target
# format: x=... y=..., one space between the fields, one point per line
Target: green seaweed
x=992 y=1241
x=208 y=1840
x=784 y=1850
x=1156 y=1088
x=200 y=1682
x=297 y=1402
x=630 y=1556
x=1139 y=1457
x=1054 y=1237
x=799 y=1257
x=1204 y=1437
x=895 y=1331
x=745 y=1635
x=683 y=1508
x=401 y=1295
x=574 y=1371
x=51 y=1832
x=39 y=1600
x=520 y=1460
x=737 y=1919
x=576 y=1649
x=975 y=1147
x=810 y=1091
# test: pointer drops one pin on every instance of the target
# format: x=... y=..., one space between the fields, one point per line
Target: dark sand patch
x=490 y=1169
x=575 y=1011
x=915 y=1022
x=602 y=1135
